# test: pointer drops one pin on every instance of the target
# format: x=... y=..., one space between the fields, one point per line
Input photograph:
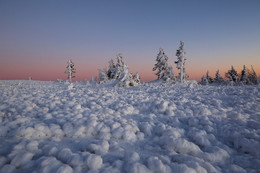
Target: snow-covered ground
x=155 y=127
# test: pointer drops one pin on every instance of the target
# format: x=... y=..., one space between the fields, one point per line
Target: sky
x=38 y=37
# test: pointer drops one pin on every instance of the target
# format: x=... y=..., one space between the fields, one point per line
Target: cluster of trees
x=246 y=77
x=165 y=71
x=119 y=74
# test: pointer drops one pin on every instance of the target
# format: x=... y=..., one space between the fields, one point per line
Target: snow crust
x=155 y=127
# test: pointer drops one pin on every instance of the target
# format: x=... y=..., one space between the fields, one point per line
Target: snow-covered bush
x=60 y=80
x=209 y=77
x=253 y=79
x=247 y=77
x=103 y=76
x=126 y=78
x=93 y=80
x=232 y=75
x=136 y=79
x=243 y=78
x=119 y=74
x=205 y=80
x=169 y=75
x=218 y=78
x=181 y=62
x=112 y=69
x=70 y=70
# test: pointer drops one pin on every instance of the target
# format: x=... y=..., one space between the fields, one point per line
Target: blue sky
x=217 y=34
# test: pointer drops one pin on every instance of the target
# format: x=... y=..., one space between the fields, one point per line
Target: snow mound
x=155 y=127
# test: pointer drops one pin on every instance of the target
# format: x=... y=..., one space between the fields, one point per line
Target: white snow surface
x=155 y=127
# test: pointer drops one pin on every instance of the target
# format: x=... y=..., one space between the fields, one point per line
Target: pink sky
x=45 y=70
x=38 y=37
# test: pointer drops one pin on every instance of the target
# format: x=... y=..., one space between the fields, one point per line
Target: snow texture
x=155 y=127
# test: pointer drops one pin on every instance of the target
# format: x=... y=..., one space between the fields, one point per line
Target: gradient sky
x=38 y=37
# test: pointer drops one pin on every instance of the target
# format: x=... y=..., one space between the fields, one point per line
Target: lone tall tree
x=70 y=70
x=181 y=61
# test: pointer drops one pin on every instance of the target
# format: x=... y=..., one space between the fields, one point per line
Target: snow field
x=155 y=127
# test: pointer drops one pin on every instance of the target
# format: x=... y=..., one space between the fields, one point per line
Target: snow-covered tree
x=93 y=80
x=232 y=75
x=253 y=77
x=119 y=66
x=218 y=78
x=112 y=69
x=180 y=53
x=70 y=70
x=125 y=77
x=169 y=75
x=103 y=77
x=136 y=79
x=161 y=64
x=209 y=77
x=243 y=77
x=119 y=73
x=204 y=80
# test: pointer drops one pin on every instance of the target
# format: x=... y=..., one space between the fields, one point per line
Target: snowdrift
x=155 y=127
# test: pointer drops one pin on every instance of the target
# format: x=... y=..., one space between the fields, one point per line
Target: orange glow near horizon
x=50 y=70
x=38 y=38
x=56 y=71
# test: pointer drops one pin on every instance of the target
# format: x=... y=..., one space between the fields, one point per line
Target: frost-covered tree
x=93 y=80
x=204 y=80
x=210 y=80
x=253 y=77
x=115 y=70
x=243 y=77
x=136 y=79
x=126 y=78
x=70 y=70
x=169 y=75
x=119 y=66
x=180 y=53
x=112 y=69
x=232 y=75
x=161 y=64
x=218 y=78
x=119 y=74
x=103 y=77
